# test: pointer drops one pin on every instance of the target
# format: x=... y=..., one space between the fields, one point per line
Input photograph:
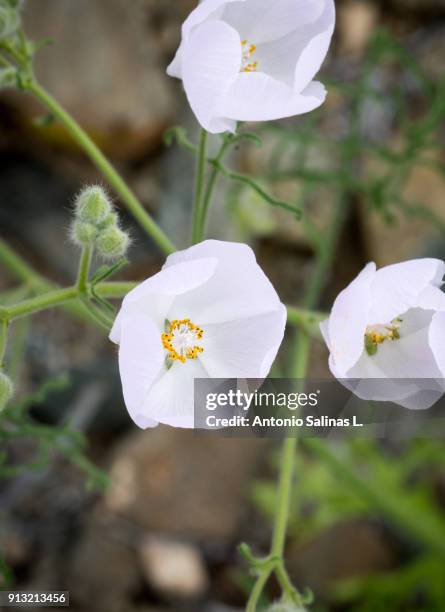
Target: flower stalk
x=215 y=172
x=84 y=270
x=199 y=187
x=287 y=473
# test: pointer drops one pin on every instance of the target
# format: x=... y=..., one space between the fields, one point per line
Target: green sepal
x=370 y=346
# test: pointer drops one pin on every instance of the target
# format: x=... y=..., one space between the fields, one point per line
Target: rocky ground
x=163 y=536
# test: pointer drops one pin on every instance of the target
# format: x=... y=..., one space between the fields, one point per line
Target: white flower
x=210 y=313
x=253 y=60
x=390 y=324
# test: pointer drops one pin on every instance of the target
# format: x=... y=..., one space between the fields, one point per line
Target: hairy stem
x=36 y=304
x=84 y=270
x=105 y=167
x=287 y=472
x=199 y=185
x=22 y=271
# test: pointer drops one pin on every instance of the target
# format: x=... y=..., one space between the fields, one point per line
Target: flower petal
x=349 y=319
x=402 y=371
x=243 y=349
x=261 y=21
x=211 y=63
x=397 y=288
x=255 y=96
x=141 y=359
x=156 y=295
x=415 y=394
x=324 y=328
x=437 y=340
x=314 y=44
x=237 y=290
x=171 y=399
x=209 y=9
x=432 y=298
x=409 y=357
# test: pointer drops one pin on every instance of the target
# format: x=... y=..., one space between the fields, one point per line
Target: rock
x=411 y=235
x=103 y=568
x=324 y=561
x=175 y=569
x=117 y=86
x=421 y=6
x=177 y=482
x=357 y=20
x=429 y=51
x=14 y=544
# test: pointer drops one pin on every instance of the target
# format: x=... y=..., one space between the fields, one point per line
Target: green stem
x=247 y=180
x=199 y=185
x=114 y=290
x=100 y=161
x=290 y=592
x=83 y=274
x=100 y=318
x=215 y=172
x=60 y=297
x=287 y=471
x=306 y=320
x=4 y=326
x=23 y=272
x=284 y=489
x=51 y=299
x=258 y=589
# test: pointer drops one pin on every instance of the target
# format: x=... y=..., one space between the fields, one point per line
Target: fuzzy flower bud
x=111 y=220
x=93 y=205
x=83 y=234
x=112 y=243
x=6 y=390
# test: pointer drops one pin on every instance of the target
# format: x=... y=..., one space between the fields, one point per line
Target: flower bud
x=83 y=234
x=111 y=220
x=93 y=205
x=112 y=243
x=6 y=390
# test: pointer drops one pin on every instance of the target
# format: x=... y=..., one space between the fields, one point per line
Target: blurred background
x=133 y=521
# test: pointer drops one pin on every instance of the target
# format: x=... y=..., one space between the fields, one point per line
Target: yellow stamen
x=180 y=340
x=248 y=51
x=378 y=334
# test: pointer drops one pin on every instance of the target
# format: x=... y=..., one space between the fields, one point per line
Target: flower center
x=247 y=65
x=181 y=340
x=378 y=334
